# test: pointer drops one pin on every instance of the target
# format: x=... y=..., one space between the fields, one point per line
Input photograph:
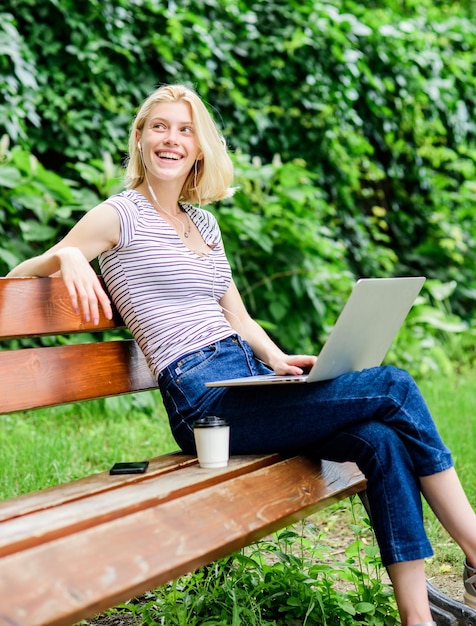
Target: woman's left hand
x=294 y=364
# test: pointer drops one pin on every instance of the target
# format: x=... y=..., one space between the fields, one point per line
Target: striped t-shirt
x=166 y=294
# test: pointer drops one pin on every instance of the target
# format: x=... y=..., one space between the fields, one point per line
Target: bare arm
x=262 y=345
x=96 y=232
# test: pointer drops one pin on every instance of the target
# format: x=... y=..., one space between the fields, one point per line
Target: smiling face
x=178 y=111
x=168 y=142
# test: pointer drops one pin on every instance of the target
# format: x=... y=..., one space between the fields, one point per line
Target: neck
x=164 y=201
x=169 y=210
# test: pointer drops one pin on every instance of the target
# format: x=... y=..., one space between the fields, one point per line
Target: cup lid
x=210 y=421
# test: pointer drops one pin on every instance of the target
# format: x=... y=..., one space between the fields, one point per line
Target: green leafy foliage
x=293 y=273
x=352 y=126
x=38 y=206
x=18 y=83
x=282 y=250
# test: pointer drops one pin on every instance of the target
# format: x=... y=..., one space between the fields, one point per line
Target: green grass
x=46 y=447
x=314 y=573
x=50 y=446
x=451 y=401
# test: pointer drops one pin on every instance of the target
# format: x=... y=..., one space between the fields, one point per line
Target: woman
x=167 y=273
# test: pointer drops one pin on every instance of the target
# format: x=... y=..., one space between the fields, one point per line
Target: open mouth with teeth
x=169 y=156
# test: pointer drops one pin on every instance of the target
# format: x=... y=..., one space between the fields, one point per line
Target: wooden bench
x=71 y=551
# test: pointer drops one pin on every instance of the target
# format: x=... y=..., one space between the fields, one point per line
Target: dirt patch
x=125 y=619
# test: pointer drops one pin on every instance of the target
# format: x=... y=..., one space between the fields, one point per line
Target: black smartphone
x=133 y=467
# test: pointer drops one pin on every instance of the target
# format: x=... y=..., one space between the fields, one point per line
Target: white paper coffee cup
x=212 y=440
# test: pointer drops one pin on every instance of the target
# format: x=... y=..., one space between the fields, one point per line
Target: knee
x=398 y=383
x=375 y=441
x=397 y=375
x=372 y=445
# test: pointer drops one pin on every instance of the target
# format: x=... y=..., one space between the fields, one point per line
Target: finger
x=104 y=301
x=93 y=308
x=73 y=297
x=82 y=292
x=288 y=369
x=76 y=292
x=304 y=360
x=86 y=302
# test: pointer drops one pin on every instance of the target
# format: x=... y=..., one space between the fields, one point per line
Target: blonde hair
x=211 y=176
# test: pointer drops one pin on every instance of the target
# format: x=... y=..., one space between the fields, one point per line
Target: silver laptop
x=361 y=336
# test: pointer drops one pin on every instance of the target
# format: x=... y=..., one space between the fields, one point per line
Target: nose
x=171 y=137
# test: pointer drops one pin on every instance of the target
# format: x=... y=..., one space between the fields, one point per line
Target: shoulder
x=129 y=207
x=206 y=223
x=199 y=213
x=125 y=202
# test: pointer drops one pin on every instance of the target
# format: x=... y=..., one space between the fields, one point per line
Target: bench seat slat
x=152 y=546
x=30 y=378
x=88 y=486
x=117 y=499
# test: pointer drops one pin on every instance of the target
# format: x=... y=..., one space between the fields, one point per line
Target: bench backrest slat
x=37 y=377
x=45 y=376
x=41 y=306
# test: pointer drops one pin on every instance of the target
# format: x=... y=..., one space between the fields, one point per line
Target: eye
x=187 y=129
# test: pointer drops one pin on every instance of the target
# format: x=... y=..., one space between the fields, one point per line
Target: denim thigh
x=182 y=383
x=291 y=417
x=376 y=418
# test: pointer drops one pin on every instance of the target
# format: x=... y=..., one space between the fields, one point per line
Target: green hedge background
x=352 y=126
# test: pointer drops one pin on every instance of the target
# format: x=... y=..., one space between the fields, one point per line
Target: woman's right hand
x=97 y=231
x=83 y=285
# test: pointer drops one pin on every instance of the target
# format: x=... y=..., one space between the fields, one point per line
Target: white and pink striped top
x=166 y=294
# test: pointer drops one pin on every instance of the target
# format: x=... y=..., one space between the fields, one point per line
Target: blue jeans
x=376 y=418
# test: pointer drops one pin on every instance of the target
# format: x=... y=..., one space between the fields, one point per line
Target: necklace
x=185 y=231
